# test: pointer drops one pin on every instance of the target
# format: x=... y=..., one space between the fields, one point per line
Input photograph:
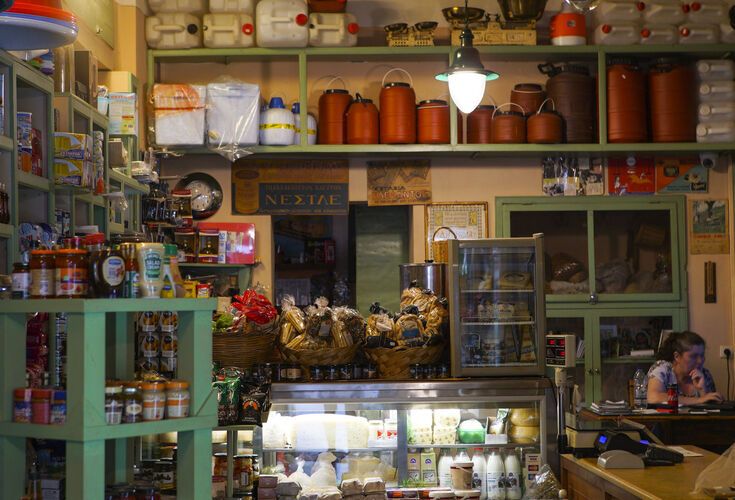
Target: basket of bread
x=319 y=335
x=416 y=335
x=246 y=334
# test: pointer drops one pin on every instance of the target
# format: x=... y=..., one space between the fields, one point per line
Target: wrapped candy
x=409 y=329
x=379 y=326
x=292 y=320
x=253 y=312
x=349 y=327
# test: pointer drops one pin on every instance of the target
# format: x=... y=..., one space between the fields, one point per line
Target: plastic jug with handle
x=664 y=12
x=616 y=11
x=333 y=30
x=707 y=12
x=282 y=23
x=717 y=91
x=173 y=31
x=699 y=33
x=727 y=30
x=659 y=34
x=716 y=69
x=232 y=6
x=277 y=124
x=717 y=112
x=617 y=34
x=716 y=132
x=178 y=6
x=228 y=30
x=310 y=126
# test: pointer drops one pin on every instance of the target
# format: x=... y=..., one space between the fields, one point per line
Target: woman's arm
x=657 y=394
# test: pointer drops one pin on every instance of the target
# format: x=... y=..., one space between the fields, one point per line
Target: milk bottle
x=495 y=474
x=512 y=476
x=479 y=474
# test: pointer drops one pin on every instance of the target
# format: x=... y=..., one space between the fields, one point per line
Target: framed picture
x=460 y=220
x=608 y=341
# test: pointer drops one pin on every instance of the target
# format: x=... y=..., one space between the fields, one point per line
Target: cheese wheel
x=524 y=417
x=524 y=435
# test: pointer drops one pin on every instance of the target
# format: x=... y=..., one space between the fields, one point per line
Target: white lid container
x=716 y=112
x=699 y=33
x=664 y=11
x=615 y=11
x=173 y=31
x=617 y=34
x=333 y=30
x=228 y=30
x=232 y=6
x=659 y=34
x=282 y=23
x=720 y=90
x=716 y=69
x=178 y=6
x=311 y=140
x=716 y=132
x=277 y=125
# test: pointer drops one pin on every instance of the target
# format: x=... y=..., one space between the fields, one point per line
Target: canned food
x=316 y=373
x=148 y=321
x=203 y=291
x=169 y=321
x=149 y=344
x=345 y=372
x=331 y=373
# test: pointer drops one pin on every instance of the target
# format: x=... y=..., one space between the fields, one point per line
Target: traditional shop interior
x=326 y=249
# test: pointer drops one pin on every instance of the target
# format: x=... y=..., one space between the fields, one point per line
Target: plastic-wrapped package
x=292 y=320
x=545 y=486
x=233 y=117
x=178 y=114
x=719 y=476
x=323 y=473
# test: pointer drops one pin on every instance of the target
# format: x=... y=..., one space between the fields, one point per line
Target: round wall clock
x=206 y=194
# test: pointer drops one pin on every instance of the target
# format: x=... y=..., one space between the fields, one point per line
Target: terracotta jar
x=672 y=90
x=509 y=127
x=332 y=123
x=397 y=111
x=480 y=125
x=363 y=122
x=626 y=102
x=433 y=122
x=545 y=126
x=573 y=91
x=529 y=96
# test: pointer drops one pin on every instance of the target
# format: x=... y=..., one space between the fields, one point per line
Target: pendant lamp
x=466 y=76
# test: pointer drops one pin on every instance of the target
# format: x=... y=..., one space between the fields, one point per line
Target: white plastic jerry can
x=659 y=34
x=198 y=7
x=717 y=112
x=617 y=34
x=616 y=11
x=282 y=23
x=173 y=31
x=232 y=7
x=727 y=32
x=699 y=33
x=721 y=90
x=228 y=30
x=664 y=11
x=333 y=30
x=716 y=132
x=716 y=69
x=707 y=12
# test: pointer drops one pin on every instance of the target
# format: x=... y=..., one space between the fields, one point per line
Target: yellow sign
x=399 y=182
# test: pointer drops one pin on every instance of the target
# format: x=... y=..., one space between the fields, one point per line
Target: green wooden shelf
x=103 y=432
x=130 y=184
x=628 y=360
x=105 y=305
x=33 y=181
x=92 y=199
x=29 y=76
x=213 y=266
x=6 y=143
x=6 y=230
x=69 y=188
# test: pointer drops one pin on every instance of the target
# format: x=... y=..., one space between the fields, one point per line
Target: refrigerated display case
x=390 y=429
x=497 y=311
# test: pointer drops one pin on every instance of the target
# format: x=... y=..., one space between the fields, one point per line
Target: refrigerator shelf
x=496 y=323
x=521 y=290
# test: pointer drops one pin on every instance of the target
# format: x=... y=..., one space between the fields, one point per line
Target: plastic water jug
x=178 y=6
x=716 y=132
x=707 y=12
x=699 y=33
x=173 y=31
x=716 y=69
x=617 y=34
x=727 y=32
x=228 y=30
x=664 y=12
x=282 y=23
x=232 y=6
x=717 y=91
x=333 y=30
x=717 y=112
x=310 y=126
x=277 y=125
x=659 y=34
x=616 y=11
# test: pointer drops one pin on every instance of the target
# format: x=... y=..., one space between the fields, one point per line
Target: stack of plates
x=40 y=24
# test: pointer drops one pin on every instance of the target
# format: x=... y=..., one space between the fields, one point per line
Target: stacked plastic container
x=716 y=116
x=662 y=22
x=229 y=24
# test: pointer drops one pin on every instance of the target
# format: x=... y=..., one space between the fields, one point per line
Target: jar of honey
x=71 y=274
x=43 y=274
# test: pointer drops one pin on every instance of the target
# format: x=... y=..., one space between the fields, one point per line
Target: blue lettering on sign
x=305 y=198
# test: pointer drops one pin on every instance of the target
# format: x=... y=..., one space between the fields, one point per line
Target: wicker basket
x=440 y=248
x=395 y=364
x=243 y=349
x=329 y=356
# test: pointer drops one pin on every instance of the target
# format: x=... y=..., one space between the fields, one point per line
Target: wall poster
x=399 y=182
x=708 y=223
x=290 y=186
x=467 y=220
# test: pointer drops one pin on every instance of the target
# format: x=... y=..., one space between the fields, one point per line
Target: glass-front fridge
x=496 y=288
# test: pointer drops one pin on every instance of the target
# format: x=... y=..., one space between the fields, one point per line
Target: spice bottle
x=72 y=268
x=132 y=404
x=177 y=399
x=131 y=283
x=21 y=284
x=113 y=404
x=43 y=270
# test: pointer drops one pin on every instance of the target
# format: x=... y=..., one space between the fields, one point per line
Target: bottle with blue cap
x=310 y=125
x=277 y=125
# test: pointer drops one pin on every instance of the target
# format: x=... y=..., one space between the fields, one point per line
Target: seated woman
x=681 y=362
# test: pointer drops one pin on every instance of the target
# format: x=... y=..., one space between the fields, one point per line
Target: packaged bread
x=422 y=298
x=514 y=280
x=379 y=326
x=373 y=485
x=348 y=327
x=409 y=329
x=292 y=320
x=437 y=319
x=351 y=487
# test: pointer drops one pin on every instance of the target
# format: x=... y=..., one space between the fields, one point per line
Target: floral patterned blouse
x=664 y=372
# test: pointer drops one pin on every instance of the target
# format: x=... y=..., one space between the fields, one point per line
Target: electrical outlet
x=723 y=348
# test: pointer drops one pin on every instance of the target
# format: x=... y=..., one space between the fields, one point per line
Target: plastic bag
x=178 y=114
x=323 y=473
x=719 y=476
x=253 y=307
x=292 y=320
x=299 y=476
x=233 y=117
x=545 y=486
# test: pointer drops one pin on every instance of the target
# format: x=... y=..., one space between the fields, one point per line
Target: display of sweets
x=157 y=342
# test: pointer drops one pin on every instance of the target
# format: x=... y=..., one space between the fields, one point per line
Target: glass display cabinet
x=497 y=306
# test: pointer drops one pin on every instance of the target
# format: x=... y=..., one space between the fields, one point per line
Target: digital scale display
x=557 y=353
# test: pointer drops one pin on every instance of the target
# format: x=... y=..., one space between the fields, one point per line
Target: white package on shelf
x=232 y=6
x=233 y=117
x=179 y=114
x=183 y=6
x=228 y=30
x=328 y=432
x=173 y=31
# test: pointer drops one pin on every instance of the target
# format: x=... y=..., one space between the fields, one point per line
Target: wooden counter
x=714 y=432
x=584 y=480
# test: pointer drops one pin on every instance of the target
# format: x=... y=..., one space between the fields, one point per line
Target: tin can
x=672 y=391
x=144 y=363
x=415 y=371
x=370 y=371
x=58 y=407
x=22 y=405
x=316 y=373
x=203 y=291
x=169 y=344
x=149 y=344
x=331 y=373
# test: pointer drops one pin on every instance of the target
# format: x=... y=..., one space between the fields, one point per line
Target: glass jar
x=21 y=281
x=43 y=272
x=177 y=399
x=113 y=404
x=181 y=204
x=73 y=242
x=186 y=243
x=132 y=404
x=71 y=277
x=208 y=246
x=147 y=493
x=165 y=471
x=131 y=283
x=154 y=401
x=106 y=267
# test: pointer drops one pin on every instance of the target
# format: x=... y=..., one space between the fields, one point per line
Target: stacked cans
x=158 y=344
x=60 y=350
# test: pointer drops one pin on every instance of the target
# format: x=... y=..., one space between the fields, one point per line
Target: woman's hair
x=679 y=342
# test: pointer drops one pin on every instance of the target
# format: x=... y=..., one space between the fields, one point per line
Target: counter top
x=651 y=483
x=586 y=414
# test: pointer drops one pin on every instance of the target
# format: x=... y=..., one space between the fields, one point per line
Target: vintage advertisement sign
x=290 y=186
x=681 y=175
x=399 y=182
x=708 y=223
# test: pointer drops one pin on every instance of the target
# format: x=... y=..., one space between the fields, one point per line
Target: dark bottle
x=106 y=268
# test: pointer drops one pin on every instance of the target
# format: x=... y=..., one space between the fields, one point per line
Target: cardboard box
x=72 y=146
x=123 y=113
x=85 y=70
x=240 y=243
x=631 y=175
x=73 y=172
x=681 y=175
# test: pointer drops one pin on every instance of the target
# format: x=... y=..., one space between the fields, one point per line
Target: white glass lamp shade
x=467 y=89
